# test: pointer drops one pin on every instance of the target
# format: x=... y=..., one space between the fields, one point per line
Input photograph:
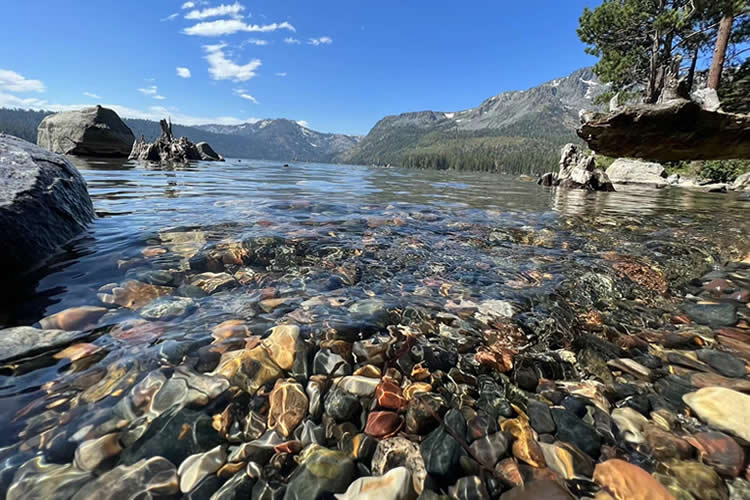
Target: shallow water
x=417 y=240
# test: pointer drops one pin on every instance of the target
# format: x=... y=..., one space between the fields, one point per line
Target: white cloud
x=13 y=82
x=255 y=41
x=154 y=113
x=91 y=95
x=323 y=40
x=222 y=68
x=282 y=75
x=152 y=91
x=170 y=17
x=243 y=93
x=222 y=10
x=229 y=26
x=291 y=41
x=188 y=5
x=183 y=72
x=11 y=101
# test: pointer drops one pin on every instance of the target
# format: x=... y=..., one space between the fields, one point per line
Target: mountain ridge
x=526 y=126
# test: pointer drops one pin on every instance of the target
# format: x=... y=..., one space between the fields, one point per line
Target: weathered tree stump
x=168 y=149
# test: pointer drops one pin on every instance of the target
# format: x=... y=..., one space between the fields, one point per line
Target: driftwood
x=168 y=149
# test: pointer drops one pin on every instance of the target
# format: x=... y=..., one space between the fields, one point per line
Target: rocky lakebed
x=241 y=330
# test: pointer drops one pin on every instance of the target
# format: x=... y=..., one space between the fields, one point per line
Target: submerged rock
x=395 y=485
x=94 y=131
x=23 y=341
x=722 y=408
x=321 y=471
x=43 y=204
x=626 y=481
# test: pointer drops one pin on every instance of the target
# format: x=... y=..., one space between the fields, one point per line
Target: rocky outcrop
x=43 y=204
x=95 y=131
x=577 y=171
x=167 y=148
x=630 y=171
x=677 y=129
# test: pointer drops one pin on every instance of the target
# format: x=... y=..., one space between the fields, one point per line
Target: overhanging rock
x=671 y=131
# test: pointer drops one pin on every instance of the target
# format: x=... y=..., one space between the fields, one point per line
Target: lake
x=199 y=262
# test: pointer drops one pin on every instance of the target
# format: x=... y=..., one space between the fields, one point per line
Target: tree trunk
x=720 y=51
x=691 y=73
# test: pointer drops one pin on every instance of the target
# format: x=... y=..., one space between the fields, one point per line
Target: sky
x=333 y=65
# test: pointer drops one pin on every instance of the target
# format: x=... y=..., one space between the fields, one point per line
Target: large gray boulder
x=43 y=204
x=95 y=131
x=630 y=171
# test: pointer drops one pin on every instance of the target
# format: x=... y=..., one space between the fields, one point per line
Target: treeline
x=21 y=123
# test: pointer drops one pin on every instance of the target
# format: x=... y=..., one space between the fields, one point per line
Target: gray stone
x=742 y=183
x=43 y=204
x=631 y=171
x=675 y=130
x=94 y=131
x=166 y=308
x=714 y=315
x=148 y=478
x=22 y=341
x=207 y=152
x=321 y=471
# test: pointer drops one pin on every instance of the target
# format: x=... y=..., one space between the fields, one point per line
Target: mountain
x=516 y=132
x=281 y=140
x=289 y=139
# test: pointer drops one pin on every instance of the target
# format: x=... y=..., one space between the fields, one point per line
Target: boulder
x=577 y=171
x=742 y=183
x=677 y=129
x=43 y=204
x=95 y=131
x=207 y=152
x=628 y=171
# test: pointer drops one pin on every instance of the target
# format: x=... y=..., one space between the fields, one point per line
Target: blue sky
x=339 y=66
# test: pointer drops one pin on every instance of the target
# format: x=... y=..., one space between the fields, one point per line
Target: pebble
x=440 y=450
x=37 y=479
x=631 y=424
x=134 y=294
x=469 y=488
x=282 y=345
x=539 y=490
x=25 y=341
x=357 y=385
x=91 y=454
x=389 y=395
x=723 y=409
x=400 y=452
x=214 y=282
x=573 y=430
x=329 y=363
x=625 y=481
x=488 y=450
x=714 y=315
x=239 y=486
x=75 y=318
x=723 y=362
x=699 y=480
x=383 y=424
x=168 y=308
x=248 y=369
x=720 y=452
x=540 y=417
x=196 y=467
x=288 y=406
x=341 y=405
x=145 y=479
x=320 y=471
x=396 y=484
